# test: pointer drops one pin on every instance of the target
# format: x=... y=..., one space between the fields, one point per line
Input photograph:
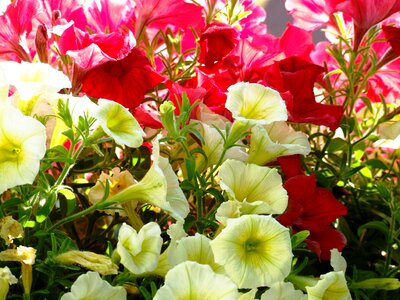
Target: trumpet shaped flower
x=159 y=187
x=190 y=280
x=140 y=251
x=22 y=146
x=274 y=140
x=255 y=250
x=255 y=104
x=259 y=188
x=193 y=248
x=6 y=279
x=91 y=286
x=331 y=286
x=118 y=122
x=90 y=260
x=283 y=291
x=32 y=80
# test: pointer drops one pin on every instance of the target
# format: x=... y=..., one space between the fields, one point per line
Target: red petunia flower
x=125 y=81
x=298 y=76
x=313 y=208
x=216 y=42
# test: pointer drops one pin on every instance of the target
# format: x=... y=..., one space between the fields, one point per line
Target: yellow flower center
x=251 y=246
x=10 y=153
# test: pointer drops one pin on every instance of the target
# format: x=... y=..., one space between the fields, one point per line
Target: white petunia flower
x=332 y=285
x=193 y=248
x=255 y=251
x=90 y=286
x=255 y=104
x=338 y=262
x=22 y=146
x=259 y=188
x=119 y=123
x=190 y=280
x=32 y=80
x=214 y=146
x=274 y=140
x=283 y=291
x=139 y=251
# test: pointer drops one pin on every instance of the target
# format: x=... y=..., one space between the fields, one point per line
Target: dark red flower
x=313 y=208
x=125 y=81
x=298 y=76
x=392 y=35
x=216 y=42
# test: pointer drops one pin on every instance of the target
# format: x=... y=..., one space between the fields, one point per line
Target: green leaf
x=377 y=225
x=376 y=163
x=299 y=237
x=190 y=164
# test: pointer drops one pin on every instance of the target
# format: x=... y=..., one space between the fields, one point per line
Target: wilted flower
x=26 y=256
x=190 y=280
x=159 y=187
x=89 y=260
x=255 y=250
x=10 y=229
x=6 y=279
x=91 y=286
x=259 y=188
x=22 y=146
x=139 y=252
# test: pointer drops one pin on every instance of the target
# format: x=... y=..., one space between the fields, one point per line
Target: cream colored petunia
x=259 y=188
x=192 y=281
x=332 y=285
x=140 y=251
x=159 y=187
x=193 y=248
x=6 y=279
x=90 y=286
x=255 y=251
x=22 y=146
x=255 y=104
x=275 y=140
x=118 y=123
x=283 y=291
x=32 y=80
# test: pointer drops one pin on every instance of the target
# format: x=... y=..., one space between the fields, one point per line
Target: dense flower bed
x=177 y=150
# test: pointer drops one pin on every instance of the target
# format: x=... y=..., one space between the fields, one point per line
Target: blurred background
x=277 y=17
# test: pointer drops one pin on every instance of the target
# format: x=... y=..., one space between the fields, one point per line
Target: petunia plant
x=177 y=150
